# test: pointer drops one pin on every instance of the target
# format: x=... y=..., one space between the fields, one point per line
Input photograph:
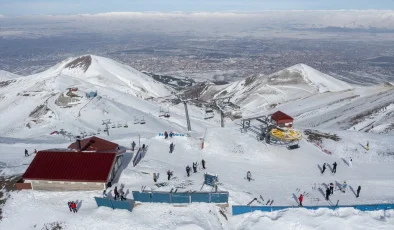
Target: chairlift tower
x=189 y=127
x=217 y=102
x=107 y=123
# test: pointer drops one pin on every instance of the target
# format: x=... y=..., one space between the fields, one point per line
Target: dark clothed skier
x=171 y=147
x=122 y=198
x=331 y=188
x=69 y=206
x=300 y=199
x=324 y=168
x=132 y=146
x=26 y=153
x=188 y=170
x=171 y=134
x=328 y=192
x=154 y=177
x=165 y=135
x=169 y=174
x=194 y=167
x=203 y=163
x=248 y=175
x=334 y=167
x=358 y=191
x=143 y=147
x=116 y=192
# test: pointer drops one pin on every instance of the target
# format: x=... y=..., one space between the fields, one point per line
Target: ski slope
x=314 y=99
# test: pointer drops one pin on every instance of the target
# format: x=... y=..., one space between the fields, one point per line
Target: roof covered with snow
x=70 y=166
x=94 y=144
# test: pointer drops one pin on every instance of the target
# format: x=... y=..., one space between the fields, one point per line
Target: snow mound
x=322 y=81
x=4 y=75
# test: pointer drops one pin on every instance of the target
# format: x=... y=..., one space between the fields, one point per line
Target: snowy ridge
x=4 y=75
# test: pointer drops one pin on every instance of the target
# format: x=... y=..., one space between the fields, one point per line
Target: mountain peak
x=83 y=63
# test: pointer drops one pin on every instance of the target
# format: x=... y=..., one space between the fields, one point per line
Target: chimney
x=78 y=141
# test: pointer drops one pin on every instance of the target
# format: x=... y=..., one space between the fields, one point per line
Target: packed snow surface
x=37 y=105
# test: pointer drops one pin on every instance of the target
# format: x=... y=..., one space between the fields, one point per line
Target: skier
x=344 y=186
x=188 y=170
x=248 y=176
x=69 y=206
x=154 y=177
x=169 y=174
x=203 y=163
x=358 y=191
x=328 y=193
x=194 y=167
x=122 y=198
x=165 y=135
x=104 y=194
x=324 y=168
x=350 y=162
x=300 y=199
x=143 y=147
x=171 y=134
x=132 y=146
x=26 y=153
x=74 y=206
x=332 y=188
x=171 y=147
x=116 y=192
x=367 y=145
x=334 y=167
x=35 y=151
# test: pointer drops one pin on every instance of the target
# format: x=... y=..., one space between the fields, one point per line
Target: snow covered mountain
x=33 y=107
x=4 y=75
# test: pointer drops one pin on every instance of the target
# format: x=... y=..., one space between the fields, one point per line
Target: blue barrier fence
x=182 y=198
x=115 y=204
x=242 y=209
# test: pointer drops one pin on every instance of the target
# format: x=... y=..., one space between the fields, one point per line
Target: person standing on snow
x=344 y=186
x=358 y=191
x=143 y=147
x=132 y=146
x=350 y=162
x=154 y=177
x=194 y=167
x=332 y=188
x=165 y=135
x=169 y=174
x=367 y=145
x=26 y=153
x=188 y=170
x=171 y=147
x=104 y=194
x=249 y=176
x=203 y=163
x=116 y=192
x=334 y=167
x=324 y=168
x=74 y=207
x=171 y=134
x=328 y=192
x=300 y=199
x=69 y=206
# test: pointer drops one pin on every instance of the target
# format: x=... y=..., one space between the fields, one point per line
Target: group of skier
x=195 y=164
x=334 y=168
x=72 y=206
x=27 y=152
x=166 y=135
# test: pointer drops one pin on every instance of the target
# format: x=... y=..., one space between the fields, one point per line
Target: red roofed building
x=281 y=119
x=95 y=144
x=65 y=170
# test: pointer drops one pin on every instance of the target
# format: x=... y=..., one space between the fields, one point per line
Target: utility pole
x=106 y=123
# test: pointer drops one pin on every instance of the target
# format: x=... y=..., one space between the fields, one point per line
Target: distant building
x=282 y=120
x=87 y=164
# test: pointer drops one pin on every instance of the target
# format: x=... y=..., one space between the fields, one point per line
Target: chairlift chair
x=125 y=125
x=98 y=131
x=119 y=124
x=209 y=113
x=161 y=113
x=136 y=121
x=113 y=126
x=142 y=121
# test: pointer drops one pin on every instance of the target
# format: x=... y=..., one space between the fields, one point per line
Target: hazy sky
x=28 y=7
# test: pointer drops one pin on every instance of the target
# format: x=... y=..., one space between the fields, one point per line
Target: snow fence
x=115 y=204
x=181 y=198
x=241 y=209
